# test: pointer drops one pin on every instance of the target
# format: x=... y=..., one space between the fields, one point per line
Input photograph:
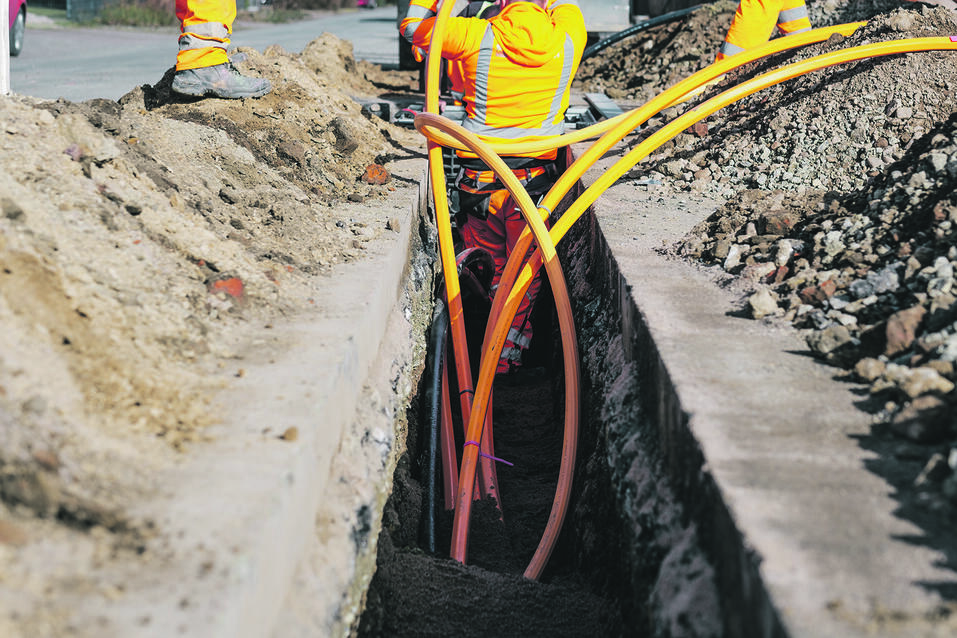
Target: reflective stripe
x=790 y=15
x=483 y=68
x=414 y=17
x=730 y=49
x=215 y=30
x=558 y=3
x=568 y=58
x=511 y=354
x=519 y=339
x=799 y=30
x=512 y=132
x=458 y=96
x=188 y=42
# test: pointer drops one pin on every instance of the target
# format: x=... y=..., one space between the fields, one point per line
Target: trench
x=628 y=562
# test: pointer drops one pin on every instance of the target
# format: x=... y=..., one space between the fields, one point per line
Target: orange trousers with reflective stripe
x=498 y=234
x=197 y=14
x=754 y=22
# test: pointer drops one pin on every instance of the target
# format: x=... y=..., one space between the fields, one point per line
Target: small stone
x=291 y=434
x=869 y=369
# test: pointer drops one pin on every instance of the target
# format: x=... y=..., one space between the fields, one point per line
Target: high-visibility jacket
x=754 y=22
x=516 y=67
x=205 y=26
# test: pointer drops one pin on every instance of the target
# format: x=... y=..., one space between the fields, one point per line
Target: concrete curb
x=763 y=449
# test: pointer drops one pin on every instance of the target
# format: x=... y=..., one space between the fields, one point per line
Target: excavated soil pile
x=840 y=219
x=143 y=244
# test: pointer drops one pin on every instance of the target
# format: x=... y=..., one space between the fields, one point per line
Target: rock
x=901 y=329
x=763 y=303
x=829 y=340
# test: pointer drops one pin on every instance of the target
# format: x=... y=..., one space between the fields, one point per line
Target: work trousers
x=491 y=220
x=755 y=20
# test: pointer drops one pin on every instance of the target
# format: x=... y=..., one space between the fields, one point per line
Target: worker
x=516 y=74
x=754 y=22
x=202 y=66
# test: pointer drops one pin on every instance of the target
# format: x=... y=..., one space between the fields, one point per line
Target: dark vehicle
x=18 y=24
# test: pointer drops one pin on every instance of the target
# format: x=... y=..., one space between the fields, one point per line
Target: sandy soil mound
x=141 y=243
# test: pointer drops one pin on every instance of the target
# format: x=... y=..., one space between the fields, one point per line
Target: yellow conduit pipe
x=694 y=115
x=447 y=249
x=612 y=174
x=615 y=129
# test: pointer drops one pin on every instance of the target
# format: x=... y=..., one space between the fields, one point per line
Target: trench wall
x=684 y=566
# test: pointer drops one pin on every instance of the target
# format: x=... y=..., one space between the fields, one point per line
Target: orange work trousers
x=497 y=234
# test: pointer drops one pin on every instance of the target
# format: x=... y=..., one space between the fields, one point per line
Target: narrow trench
x=603 y=578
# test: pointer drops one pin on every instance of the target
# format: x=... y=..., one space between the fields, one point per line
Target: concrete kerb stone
x=241 y=517
x=762 y=447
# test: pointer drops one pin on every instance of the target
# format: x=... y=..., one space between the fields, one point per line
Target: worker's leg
x=206 y=26
x=202 y=66
x=793 y=17
x=497 y=235
x=752 y=26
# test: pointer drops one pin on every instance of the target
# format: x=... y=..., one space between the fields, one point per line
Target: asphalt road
x=84 y=63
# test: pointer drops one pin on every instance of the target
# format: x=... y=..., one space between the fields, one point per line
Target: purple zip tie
x=489 y=456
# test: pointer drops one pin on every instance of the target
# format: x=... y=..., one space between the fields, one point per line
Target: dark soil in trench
x=416 y=593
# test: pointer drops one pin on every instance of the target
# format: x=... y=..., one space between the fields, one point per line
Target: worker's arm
x=462 y=35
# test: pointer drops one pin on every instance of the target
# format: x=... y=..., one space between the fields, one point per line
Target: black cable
x=601 y=45
x=440 y=324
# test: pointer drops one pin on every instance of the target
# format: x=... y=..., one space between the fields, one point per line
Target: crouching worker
x=515 y=75
x=202 y=66
x=754 y=23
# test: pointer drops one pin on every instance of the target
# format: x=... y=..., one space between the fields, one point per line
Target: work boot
x=222 y=80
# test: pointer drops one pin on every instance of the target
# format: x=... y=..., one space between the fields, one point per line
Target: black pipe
x=439 y=329
x=601 y=45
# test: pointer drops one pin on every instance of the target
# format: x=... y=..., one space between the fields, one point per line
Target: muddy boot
x=222 y=80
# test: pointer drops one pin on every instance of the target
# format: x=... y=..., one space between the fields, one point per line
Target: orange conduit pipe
x=492 y=350
x=702 y=111
x=446 y=245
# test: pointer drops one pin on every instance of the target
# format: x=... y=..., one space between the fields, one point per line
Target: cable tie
x=489 y=456
x=470 y=391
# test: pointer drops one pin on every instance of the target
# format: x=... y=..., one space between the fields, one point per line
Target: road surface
x=83 y=63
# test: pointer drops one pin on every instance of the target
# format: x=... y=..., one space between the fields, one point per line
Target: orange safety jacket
x=205 y=26
x=516 y=67
x=754 y=22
